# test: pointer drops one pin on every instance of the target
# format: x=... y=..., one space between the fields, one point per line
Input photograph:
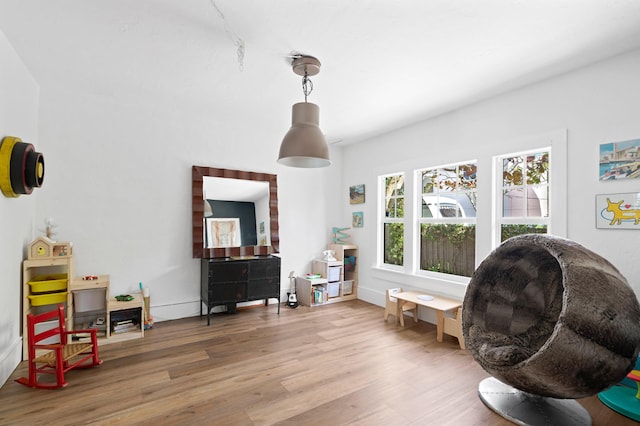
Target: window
x=393 y=221
x=454 y=220
x=524 y=189
x=448 y=219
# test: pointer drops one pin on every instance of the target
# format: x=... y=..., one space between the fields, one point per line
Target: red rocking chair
x=56 y=358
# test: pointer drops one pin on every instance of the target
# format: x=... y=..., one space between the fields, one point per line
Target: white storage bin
x=347 y=287
x=333 y=289
x=333 y=273
x=90 y=300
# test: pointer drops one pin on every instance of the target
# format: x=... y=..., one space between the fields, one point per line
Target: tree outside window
x=393 y=222
x=525 y=194
x=448 y=215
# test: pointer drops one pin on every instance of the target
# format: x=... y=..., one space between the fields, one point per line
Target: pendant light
x=304 y=145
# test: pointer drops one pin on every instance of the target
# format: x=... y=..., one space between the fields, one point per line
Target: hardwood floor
x=337 y=364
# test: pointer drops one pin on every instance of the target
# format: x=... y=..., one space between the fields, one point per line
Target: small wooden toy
x=46 y=248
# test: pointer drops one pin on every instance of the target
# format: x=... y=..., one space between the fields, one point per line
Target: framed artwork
x=223 y=232
x=620 y=160
x=357 y=220
x=618 y=211
x=356 y=194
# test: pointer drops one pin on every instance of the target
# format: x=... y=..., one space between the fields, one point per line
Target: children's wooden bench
x=450 y=324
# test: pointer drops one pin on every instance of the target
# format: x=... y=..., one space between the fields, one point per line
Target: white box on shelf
x=347 y=287
x=333 y=273
x=329 y=269
x=333 y=289
x=90 y=300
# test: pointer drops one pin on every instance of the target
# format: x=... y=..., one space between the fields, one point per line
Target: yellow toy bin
x=47 y=283
x=48 y=298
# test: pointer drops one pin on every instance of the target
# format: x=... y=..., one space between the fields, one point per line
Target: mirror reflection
x=236 y=212
x=219 y=230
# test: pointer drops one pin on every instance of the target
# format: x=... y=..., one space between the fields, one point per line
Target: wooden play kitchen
x=46 y=284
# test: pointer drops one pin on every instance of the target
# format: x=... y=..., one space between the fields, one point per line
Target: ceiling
x=385 y=63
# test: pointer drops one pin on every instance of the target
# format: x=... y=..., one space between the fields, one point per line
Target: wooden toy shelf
x=48 y=280
x=338 y=280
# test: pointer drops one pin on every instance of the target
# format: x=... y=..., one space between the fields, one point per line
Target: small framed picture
x=618 y=211
x=357 y=220
x=620 y=160
x=356 y=194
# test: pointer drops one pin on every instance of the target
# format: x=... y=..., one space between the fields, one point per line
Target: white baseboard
x=374 y=297
x=9 y=360
x=191 y=309
x=175 y=311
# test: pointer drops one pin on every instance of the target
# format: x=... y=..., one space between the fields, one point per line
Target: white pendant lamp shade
x=304 y=145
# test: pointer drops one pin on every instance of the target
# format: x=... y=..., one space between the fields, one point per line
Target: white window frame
x=521 y=220
x=419 y=220
x=487 y=237
x=555 y=144
x=383 y=220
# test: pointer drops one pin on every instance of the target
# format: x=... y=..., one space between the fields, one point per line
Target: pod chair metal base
x=526 y=409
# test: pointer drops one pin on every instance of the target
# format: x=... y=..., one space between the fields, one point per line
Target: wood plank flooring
x=339 y=364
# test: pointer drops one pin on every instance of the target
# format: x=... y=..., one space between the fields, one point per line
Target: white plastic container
x=90 y=300
x=333 y=273
x=333 y=289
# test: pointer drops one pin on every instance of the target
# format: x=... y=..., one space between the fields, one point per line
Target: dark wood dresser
x=228 y=281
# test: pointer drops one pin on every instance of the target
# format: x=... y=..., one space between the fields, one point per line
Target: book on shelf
x=125 y=328
x=319 y=295
x=101 y=330
x=86 y=337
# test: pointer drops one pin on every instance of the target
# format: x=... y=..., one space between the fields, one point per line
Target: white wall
x=595 y=105
x=18 y=117
x=119 y=188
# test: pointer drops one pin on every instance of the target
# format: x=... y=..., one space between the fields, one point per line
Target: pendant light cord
x=307 y=86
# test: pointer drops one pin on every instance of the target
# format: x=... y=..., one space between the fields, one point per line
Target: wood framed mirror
x=238 y=183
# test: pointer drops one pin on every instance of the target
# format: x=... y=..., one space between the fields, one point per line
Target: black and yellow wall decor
x=21 y=167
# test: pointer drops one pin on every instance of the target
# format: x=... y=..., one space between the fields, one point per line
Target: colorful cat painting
x=620 y=214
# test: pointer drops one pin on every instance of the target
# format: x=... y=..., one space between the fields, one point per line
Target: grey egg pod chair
x=551 y=318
